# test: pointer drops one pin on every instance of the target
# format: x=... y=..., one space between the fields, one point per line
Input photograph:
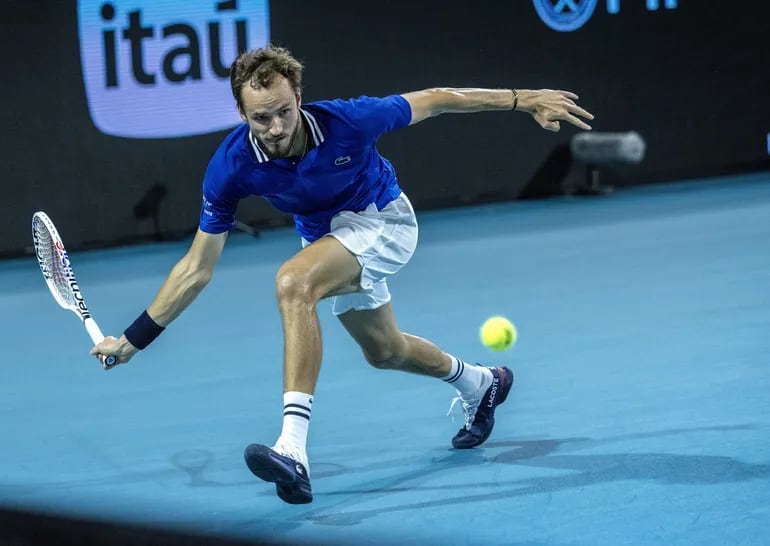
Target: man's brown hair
x=259 y=67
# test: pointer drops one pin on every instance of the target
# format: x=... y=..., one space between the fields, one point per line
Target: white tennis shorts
x=383 y=241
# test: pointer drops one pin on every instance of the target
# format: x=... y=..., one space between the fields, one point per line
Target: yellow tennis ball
x=498 y=333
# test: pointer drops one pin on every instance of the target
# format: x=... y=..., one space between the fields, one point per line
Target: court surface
x=640 y=414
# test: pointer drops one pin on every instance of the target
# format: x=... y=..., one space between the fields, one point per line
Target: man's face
x=273 y=116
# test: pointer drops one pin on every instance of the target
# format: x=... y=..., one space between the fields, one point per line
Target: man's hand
x=548 y=107
x=121 y=349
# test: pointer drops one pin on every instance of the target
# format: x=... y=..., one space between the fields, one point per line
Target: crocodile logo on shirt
x=341 y=160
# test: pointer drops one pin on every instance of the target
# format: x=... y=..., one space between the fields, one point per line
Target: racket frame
x=61 y=258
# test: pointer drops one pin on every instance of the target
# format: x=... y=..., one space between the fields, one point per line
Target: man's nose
x=276 y=128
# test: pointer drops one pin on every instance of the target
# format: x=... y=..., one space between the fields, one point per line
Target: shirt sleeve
x=220 y=198
x=371 y=117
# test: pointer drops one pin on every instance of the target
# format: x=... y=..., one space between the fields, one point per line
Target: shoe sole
x=264 y=467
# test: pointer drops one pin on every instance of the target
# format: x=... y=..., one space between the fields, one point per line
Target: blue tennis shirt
x=343 y=170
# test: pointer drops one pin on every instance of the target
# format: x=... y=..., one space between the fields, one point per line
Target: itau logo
x=161 y=68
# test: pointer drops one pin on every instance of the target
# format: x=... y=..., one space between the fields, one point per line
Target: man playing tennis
x=319 y=161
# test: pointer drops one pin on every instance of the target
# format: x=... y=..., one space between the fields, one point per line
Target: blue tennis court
x=640 y=413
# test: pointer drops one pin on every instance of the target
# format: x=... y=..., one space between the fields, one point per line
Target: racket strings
x=54 y=262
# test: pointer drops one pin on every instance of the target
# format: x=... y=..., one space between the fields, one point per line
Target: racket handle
x=97 y=337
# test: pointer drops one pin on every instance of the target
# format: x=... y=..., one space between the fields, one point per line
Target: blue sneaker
x=480 y=412
x=290 y=477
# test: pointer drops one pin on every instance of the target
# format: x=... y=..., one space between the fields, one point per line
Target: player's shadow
x=584 y=471
x=195 y=463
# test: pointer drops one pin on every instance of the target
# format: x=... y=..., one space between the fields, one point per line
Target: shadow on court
x=585 y=470
x=195 y=462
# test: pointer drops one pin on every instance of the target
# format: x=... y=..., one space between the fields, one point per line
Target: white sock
x=467 y=378
x=297 y=407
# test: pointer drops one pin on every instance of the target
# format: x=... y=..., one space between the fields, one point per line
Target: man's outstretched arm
x=187 y=279
x=547 y=106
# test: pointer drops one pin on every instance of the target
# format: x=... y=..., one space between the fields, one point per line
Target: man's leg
x=321 y=269
x=480 y=389
x=386 y=347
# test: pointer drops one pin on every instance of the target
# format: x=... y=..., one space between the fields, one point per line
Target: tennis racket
x=59 y=276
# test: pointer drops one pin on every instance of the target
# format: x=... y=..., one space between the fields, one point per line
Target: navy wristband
x=143 y=331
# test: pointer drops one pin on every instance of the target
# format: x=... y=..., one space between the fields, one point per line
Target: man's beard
x=286 y=145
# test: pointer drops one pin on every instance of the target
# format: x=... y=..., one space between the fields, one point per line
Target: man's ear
x=299 y=99
x=241 y=113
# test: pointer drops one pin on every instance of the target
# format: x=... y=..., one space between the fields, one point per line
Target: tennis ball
x=498 y=333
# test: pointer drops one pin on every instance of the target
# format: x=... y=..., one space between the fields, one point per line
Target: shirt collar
x=311 y=125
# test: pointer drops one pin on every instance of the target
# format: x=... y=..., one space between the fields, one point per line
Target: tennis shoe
x=292 y=483
x=480 y=410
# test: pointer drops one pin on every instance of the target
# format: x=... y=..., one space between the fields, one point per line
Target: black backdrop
x=693 y=81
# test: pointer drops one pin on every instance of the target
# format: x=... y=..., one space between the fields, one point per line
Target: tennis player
x=319 y=161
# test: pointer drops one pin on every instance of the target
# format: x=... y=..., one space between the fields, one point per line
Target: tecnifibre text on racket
x=59 y=276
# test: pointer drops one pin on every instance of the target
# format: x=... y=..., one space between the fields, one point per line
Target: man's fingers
x=577 y=122
x=560 y=105
x=581 y=112
x=102 y=358
x=546 y=123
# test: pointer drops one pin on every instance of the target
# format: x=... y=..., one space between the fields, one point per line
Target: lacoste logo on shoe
x=493 y=392
x=341 y=160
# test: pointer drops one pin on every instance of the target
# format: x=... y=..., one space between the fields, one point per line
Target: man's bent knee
x=392 y=362
x=390 y=356
x=293 y=285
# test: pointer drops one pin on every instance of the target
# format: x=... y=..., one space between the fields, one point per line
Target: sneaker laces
x=469 y=409
x=291 y=451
